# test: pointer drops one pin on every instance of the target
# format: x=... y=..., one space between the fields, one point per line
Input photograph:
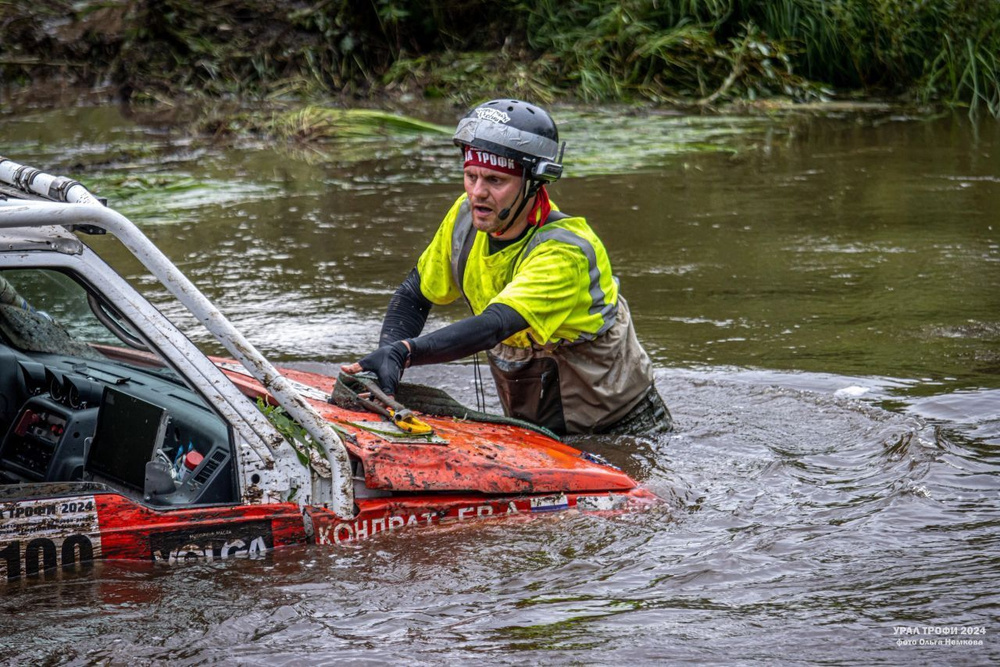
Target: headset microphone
x=502 y=215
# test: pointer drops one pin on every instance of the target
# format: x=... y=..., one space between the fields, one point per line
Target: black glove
x=387 y=363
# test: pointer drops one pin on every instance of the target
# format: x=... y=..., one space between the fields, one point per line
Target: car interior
x=72 y=410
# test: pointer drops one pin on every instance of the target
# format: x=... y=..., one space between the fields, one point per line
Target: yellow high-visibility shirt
x=558 y=277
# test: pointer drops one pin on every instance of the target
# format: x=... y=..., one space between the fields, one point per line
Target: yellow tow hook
x=408 y=422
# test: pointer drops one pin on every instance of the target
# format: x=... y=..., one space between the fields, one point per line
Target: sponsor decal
x=495 y=115
x=600 y=503
x=549 y=503
x=40 y=535
x=250 y=539
x=360 y=529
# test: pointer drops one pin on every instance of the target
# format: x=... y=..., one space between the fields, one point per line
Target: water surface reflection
x=821 y=300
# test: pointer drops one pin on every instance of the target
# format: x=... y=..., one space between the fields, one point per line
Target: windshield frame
x=113 y=324
x=87 y=274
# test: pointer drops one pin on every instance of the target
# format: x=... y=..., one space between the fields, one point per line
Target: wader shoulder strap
x=599 y=304
x=463 y=235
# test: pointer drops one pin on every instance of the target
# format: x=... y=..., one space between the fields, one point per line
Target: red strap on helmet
x=539 y=213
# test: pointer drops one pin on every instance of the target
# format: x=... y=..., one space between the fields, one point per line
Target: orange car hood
x=486 y=458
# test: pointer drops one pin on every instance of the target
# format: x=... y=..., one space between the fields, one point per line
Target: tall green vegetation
x=936 y=49
x=939 y=49
x=678 y=51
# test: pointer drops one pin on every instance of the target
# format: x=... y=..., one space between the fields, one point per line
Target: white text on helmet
x=495 y=115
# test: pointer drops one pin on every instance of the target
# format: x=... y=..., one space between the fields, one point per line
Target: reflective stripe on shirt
x=463 y=238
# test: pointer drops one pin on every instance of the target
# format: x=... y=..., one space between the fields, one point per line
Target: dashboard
x=66 y=418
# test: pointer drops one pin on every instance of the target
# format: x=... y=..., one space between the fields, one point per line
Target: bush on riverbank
x=689 y=52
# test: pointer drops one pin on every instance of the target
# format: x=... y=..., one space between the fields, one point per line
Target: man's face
x=489 y=193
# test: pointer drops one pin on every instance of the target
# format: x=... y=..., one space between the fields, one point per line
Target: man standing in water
x=561 y=344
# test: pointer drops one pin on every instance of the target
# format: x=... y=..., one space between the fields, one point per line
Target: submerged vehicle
x=122 y=440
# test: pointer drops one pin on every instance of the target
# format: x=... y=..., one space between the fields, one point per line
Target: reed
x=312 y=124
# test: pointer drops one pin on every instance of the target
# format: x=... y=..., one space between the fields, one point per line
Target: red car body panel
x=379 y=515
x=45 y=533
x=482 y=471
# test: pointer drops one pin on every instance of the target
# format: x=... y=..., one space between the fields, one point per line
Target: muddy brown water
x=821 y=298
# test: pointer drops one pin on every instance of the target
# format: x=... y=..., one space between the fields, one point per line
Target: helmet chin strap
x=525 y=193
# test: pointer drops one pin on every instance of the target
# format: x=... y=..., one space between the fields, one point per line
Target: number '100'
x=42 y=554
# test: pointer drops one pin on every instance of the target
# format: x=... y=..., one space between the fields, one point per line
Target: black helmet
x=517 y=130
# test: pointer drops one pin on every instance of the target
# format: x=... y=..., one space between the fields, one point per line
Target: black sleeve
x=407 y=312
x=473 y=334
